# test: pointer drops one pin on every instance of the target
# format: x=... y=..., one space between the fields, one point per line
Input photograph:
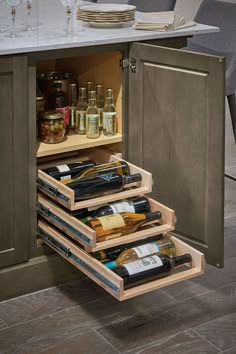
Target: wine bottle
x=135 y=205
x=58 y=101
x=87 y=188
x=149 y=268
x=120 y=167
x=116 y=225
x=165 y=246
x=68 y=171
x=112 y=253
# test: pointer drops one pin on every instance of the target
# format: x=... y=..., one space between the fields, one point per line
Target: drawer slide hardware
x=52 y=190
x=129 y=63
x=67 y=253
x=42 y=210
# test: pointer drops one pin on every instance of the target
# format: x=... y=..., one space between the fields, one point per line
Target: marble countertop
x=50 y=16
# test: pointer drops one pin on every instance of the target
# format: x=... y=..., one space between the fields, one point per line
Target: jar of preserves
x=52 y=127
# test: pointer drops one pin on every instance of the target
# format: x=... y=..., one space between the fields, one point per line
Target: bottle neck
x=109 y=101
x=82 y=99
x=185 y=258
x=92 y=102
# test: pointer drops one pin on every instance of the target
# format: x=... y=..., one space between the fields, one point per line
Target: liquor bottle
x=100 y=104
x=135 y=205
x=109 y=117
x=68 y=171
x=116 y=225
x=112 y=253
x=58 y=101
x=165 y=246
x=149 y=268
x=80 y=120
x=120 y=167
x=92 y=118
x=87 y=188
x=72 y=104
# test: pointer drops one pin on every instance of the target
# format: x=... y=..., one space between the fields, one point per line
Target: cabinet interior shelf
x=74 y=142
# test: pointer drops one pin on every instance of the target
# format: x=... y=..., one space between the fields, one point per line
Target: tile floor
x=194 y=317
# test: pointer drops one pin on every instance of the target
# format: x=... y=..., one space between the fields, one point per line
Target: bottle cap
x=156 y=215
x=92 y=95
x=140 y=204
x=137 y=177
x=110 y=265
x=185 y=258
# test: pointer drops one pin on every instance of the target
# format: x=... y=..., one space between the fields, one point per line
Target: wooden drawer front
x=87 y=236
x=66 y=196
x=107 y=279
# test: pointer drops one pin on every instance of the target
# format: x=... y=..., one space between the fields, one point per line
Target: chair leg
x=232 y=109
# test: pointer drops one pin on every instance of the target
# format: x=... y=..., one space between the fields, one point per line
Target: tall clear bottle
x=109 y=117
x=80 y=121
x=92 y=118
x=90 y=87
x=73 y=98
x=100 y=104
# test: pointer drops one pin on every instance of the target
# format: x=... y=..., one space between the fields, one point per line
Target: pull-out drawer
x=87 y=236
x=105 y=277
x=66 y=196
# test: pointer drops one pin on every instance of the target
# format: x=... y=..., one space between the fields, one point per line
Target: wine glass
x=69 y=5
x=29 y=26
x=2 y=27
x=13 y=4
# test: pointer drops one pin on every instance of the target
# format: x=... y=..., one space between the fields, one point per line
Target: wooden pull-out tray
x=107 y=279
x=66 y=196
x=87 y=236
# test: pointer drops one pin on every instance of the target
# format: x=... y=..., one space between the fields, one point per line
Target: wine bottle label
x=146 y=250
x=111 y=221
x=63 y=168
x=122 y=207
x=143 y=264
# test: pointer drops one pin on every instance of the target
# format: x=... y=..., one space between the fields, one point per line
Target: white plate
x=107 y=7
x=109 y=24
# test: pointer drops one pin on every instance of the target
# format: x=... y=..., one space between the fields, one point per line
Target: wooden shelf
x=74 y=142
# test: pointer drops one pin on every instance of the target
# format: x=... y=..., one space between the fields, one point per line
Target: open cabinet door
x=176 y=132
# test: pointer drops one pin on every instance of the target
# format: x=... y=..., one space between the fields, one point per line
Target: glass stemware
x=29 y=26
x=69 y=5
x=2 y=27
x=13 y=4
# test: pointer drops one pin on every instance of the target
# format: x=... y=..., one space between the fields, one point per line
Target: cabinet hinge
x=129 y=63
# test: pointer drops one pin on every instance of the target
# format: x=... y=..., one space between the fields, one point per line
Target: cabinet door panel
x=14 y=197
x=176 y=131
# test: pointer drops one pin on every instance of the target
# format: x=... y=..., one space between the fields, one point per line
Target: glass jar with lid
x=52 y=127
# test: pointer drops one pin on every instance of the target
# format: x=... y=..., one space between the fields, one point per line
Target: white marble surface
x=50 y=14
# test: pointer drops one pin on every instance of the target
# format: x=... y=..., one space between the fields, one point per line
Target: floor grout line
x=51 y=314
x=107 y=341
x=213 y=345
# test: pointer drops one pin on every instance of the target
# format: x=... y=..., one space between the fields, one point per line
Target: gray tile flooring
x=194 y=317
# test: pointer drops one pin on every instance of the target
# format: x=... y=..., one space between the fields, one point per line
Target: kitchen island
x=168 y=103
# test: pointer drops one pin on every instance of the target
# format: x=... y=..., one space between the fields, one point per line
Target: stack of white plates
x=106 y=15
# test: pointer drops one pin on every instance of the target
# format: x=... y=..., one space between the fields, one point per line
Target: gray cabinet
x=14 y=167
x=176 y=131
